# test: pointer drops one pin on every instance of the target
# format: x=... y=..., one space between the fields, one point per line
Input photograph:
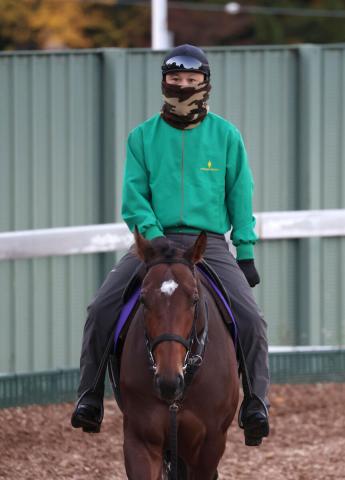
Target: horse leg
x=143 y=460
x=210 y=454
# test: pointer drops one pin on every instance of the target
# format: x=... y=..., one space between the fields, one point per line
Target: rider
x=186 y=171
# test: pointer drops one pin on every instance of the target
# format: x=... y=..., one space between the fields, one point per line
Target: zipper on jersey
x=182 y=178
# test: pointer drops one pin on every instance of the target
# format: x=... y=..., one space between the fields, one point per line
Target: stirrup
x=79 y=401
x=256 y=431
x=245 y=403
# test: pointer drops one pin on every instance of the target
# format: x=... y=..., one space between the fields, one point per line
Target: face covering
x=185 y=107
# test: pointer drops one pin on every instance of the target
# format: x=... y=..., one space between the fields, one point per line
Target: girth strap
x=168 y=337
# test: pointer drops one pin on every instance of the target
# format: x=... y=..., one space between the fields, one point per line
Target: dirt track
x=307 y=441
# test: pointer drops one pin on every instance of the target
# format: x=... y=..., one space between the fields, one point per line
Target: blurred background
x=56 y=24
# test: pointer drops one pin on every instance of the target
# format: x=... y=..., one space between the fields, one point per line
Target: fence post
x=114 y=133
x=308 y=323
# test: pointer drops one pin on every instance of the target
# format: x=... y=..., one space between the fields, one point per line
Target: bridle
x=192 y=360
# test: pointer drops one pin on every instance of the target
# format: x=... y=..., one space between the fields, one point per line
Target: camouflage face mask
x=185 y=107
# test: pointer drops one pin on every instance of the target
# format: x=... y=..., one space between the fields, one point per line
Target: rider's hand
x=250 y=272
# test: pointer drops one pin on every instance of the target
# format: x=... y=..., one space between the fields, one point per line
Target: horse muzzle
x=169 y=389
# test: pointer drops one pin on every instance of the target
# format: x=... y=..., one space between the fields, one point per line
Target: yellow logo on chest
x=209 y=167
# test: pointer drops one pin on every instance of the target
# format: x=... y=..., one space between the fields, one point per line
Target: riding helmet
x=186 y=58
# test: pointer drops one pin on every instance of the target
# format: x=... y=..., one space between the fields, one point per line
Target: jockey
x=186 y=171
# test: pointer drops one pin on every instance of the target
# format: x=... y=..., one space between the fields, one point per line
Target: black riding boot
x=253 y=418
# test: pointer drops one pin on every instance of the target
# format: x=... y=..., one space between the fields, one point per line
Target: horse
x=176 y=313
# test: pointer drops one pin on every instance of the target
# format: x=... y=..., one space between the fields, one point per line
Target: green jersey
x=198 y=178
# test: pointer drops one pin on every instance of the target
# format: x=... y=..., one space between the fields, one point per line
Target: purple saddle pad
x=125 y=313
x=234 y=331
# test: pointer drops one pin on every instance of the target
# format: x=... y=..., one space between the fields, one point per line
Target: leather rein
x=193 y=360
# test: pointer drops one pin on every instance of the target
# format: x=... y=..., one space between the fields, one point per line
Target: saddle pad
x=125 y=313
x=133 y=299
x=233 y=324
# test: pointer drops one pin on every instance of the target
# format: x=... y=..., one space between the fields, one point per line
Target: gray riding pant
x=106 y=306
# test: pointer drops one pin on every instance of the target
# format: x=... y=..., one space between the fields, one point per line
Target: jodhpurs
x=106 y=306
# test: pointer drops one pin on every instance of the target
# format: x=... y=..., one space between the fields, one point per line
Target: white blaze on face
x=169 y=287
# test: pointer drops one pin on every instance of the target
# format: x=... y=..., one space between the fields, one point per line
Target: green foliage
x=118 y=26
x=15 y=31
x=39 y=24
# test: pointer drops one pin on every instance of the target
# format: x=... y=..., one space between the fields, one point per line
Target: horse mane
x=168 y=251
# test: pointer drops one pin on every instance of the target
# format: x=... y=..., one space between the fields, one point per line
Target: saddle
x=130 y=299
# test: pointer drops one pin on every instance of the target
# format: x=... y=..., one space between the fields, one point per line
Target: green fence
x=64 y=119
x=305 y=366
x=308 y=366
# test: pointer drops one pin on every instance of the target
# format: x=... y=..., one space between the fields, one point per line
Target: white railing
x=305 y=348
x=116 y=236
x=64 y=241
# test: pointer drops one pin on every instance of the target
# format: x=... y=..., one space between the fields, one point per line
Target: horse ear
x=143 y=247
x=194 y=254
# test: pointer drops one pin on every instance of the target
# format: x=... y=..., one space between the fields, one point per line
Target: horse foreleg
x=210 y=454
x=143 y=460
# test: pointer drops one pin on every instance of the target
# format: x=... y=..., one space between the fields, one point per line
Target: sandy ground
x=307 y=441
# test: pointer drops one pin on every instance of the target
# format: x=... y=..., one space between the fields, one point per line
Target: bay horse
x=176 y=312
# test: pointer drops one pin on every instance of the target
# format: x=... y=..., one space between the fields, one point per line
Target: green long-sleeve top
x=197 y=178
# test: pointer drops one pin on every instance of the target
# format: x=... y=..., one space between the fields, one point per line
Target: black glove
x=250 y=272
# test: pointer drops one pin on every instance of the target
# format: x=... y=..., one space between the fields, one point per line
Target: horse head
x=169 y=296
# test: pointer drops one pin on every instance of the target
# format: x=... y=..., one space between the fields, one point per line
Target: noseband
x=191 y=361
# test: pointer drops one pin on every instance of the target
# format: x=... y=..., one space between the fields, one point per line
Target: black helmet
x=186 y=58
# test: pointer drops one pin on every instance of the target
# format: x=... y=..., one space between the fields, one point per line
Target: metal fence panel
x=322 y=156
x=50 y=153
x=332 y=251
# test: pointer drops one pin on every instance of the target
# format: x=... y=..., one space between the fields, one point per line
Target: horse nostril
x=169 y=389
